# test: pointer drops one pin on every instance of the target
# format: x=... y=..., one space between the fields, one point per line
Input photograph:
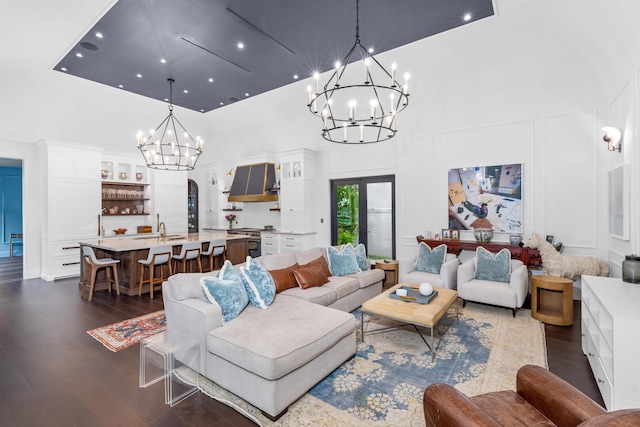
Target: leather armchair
x=542 y=399
x=510 y=295
x=446 y=279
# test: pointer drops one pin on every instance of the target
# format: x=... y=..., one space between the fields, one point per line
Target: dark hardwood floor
x=53 y=373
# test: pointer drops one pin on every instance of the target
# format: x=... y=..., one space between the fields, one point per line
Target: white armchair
x=446 y=279
x=510 y=295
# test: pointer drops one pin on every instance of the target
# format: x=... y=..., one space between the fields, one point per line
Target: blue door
x=10 y=208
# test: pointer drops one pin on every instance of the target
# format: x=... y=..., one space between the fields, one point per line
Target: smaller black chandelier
x=355 y=106
x=166 y=148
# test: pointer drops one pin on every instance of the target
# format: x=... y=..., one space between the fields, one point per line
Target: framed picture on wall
x=619 y=202
x=486 y=197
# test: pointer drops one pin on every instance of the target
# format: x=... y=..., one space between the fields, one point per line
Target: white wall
x=532 y=85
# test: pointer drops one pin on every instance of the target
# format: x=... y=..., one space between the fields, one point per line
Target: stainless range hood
x=254 y=183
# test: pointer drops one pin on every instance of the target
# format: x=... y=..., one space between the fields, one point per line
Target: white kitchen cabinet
x=169 y=200
x=71 y=180
x=270 y=243
x=276 y=242
x=610 y=325
x=297 y=201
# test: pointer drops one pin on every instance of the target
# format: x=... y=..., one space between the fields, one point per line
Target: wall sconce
x=230 y=172
x=613 y=138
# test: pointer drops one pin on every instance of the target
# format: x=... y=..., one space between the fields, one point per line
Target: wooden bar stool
x=158 y=256
x=216 y=248
x=89 y=277
x=189 y=252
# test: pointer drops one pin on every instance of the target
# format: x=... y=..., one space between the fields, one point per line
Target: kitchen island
x=128 y=250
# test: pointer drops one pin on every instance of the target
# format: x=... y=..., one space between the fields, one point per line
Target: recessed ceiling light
x=295 y=76
x=370 y=50
x=120 y=86
x=240 y=45
x=222 y=103
x=63 y=69
x=246 y=94
x=166 y=100
x=139 y=75
x=186 y=91
x=164 y=61
x=99 y=35
x=202 y=110
x=467 y=17
x=79 y=55
x=210 y=79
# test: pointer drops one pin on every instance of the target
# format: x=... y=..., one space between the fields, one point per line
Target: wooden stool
x=89 y=278
x=158 y=256
x=189 y=252
x=215 y=249
x=552 y=300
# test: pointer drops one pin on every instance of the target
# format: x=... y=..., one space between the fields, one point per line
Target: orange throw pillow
x=320 y=261
x=310 y=275
x=284 y=278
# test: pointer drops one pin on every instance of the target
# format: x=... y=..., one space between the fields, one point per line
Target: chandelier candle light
x=355 y=105
x=164 y=148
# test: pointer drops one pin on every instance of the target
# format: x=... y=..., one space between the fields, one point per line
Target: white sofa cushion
x=187 y=285
x=278 y=261
x=342 y=285
x=368 y=277
x=322 y=295
x=271 y=343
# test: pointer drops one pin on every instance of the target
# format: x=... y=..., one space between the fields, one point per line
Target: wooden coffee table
x=416 y=314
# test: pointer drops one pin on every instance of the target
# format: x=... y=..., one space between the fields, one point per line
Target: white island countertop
x=140 y=241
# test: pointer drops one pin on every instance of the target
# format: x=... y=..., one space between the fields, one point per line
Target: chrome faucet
x=163 y=230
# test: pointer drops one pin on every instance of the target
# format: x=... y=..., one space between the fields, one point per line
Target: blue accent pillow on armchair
x=344 y=261
x=493 y=267
x=430 y=260
x=258 y=283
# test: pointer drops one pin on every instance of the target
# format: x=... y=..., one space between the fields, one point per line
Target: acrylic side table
x=169 y=359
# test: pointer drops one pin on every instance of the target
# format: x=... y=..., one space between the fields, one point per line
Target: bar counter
x=131 y=249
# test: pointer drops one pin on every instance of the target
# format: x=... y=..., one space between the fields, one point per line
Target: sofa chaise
x=271 y=357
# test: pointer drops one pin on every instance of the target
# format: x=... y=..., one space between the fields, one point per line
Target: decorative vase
x=230 y=225
x=483 y=235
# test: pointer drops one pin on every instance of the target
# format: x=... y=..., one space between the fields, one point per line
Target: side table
x=389 y=265
x=161 y=357
x=552 y=300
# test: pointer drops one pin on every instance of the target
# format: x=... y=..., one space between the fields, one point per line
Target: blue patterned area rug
x=383 y=385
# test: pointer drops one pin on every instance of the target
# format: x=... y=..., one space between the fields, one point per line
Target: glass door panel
x=362 y=211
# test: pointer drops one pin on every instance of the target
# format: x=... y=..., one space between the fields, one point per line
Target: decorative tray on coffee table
x=413 y=295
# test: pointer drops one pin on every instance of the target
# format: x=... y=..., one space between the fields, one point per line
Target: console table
x=529 y=257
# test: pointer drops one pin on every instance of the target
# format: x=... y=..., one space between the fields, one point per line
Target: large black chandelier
x=355 y=105
x=168 y=148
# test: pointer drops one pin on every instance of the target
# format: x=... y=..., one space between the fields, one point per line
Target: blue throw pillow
x=493 y=267
x=258 y=283
x=228 y=294
x=361 y=257
x=342 y=262
x=430 y=260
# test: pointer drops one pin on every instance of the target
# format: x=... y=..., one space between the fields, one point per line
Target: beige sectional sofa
x=271 y=357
